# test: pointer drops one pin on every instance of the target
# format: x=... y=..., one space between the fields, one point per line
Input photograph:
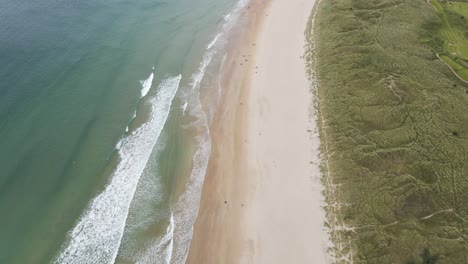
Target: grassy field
x=394 y=127
x=453 y=34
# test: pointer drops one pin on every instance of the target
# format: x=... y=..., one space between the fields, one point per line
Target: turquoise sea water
x=103 y=139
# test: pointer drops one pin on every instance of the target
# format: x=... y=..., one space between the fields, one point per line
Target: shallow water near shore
x=104 y=137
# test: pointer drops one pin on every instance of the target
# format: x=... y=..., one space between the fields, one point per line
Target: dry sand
x=261 y=200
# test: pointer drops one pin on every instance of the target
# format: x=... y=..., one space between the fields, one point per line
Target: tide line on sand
x=267 y=206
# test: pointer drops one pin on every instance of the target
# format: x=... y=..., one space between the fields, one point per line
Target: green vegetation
x=394 y=127
x=453 y=35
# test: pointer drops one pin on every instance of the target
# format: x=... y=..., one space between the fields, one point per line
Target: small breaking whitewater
x=187 y=205
x=99 y=232
x=213 y=42
x=97 y=235
x=146 y=84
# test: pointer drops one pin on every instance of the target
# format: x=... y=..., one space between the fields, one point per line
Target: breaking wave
x=97 y=235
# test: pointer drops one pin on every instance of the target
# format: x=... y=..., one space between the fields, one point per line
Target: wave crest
x=97 y=235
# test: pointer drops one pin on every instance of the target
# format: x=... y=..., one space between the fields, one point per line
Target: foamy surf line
x=213 y=42
x=188 y=204
x=97 y=235
x=161 y=249
x=146 y=84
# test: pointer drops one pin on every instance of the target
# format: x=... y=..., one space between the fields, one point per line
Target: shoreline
x=262 y=135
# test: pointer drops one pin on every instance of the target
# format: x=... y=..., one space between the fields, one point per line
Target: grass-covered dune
x=394 y=129
x=451 y=40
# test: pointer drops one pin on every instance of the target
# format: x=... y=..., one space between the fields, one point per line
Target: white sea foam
x=149 y=195
x=185 y=219
x=182 y=221
x=170 y=235
x=158 y=250
x=197 y=77
x=174 y=245
x=97 y=235
x=161 y=249
x=187 y=206
x=213 y=42
x=241 y=4
x=119 y=144
x=235 y=13
x=184 y=108
x=146 y=84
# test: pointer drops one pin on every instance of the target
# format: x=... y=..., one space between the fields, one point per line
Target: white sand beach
x=262 y=197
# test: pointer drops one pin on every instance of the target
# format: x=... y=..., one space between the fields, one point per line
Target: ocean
x=105 y=108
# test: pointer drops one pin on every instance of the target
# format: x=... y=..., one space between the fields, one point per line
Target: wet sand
x=261 y=200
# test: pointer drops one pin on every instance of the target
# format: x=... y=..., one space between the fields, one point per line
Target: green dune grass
x=454 y=35
x=394 y=127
